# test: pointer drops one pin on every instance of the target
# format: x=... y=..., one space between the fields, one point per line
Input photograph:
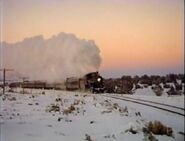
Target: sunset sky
x=134 y=36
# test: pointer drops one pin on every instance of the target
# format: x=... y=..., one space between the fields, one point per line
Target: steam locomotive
x=94 y=82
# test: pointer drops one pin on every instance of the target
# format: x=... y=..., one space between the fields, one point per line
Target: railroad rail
x=153 y=102
x=165 y=107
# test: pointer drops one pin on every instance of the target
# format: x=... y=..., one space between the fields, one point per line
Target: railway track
x=154 y=102
x=165 y=107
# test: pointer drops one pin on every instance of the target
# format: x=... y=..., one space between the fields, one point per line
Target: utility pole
x=4 y=77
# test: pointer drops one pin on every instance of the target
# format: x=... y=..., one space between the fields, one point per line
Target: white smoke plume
x=52 y=59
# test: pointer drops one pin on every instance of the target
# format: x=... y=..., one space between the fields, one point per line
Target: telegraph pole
x=4 y=77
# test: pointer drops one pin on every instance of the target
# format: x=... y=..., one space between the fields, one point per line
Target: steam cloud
x=52 y=59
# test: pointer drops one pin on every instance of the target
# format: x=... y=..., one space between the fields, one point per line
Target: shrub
x=88 y=137
x=54 y=108
x=167 y=86
x=158 y=128
x=131 y=130
x=158 y=90
x=69 y=110
x=178 y=86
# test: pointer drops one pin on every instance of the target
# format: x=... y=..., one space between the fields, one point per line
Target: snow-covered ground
x=49 y=115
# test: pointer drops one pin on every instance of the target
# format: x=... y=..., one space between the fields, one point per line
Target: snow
x=148 y=94
x=25 y=117
x=177 y=100
x=145 y=91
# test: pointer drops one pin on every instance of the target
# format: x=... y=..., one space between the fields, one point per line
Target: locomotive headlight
x=99 y=79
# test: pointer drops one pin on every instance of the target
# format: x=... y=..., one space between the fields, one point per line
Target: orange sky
x=143 y=35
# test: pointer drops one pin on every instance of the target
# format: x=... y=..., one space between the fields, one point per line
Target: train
x=91 y=82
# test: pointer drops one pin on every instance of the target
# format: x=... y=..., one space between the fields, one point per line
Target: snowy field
x=49 y=115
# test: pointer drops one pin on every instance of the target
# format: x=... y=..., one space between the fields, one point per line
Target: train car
x=28 y=84
x=56 y=85
x=38 y=85
x=34 y=85
x=15 y=84
x=72 y=83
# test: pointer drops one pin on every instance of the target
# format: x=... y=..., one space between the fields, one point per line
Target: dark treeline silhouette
x=126 y=83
